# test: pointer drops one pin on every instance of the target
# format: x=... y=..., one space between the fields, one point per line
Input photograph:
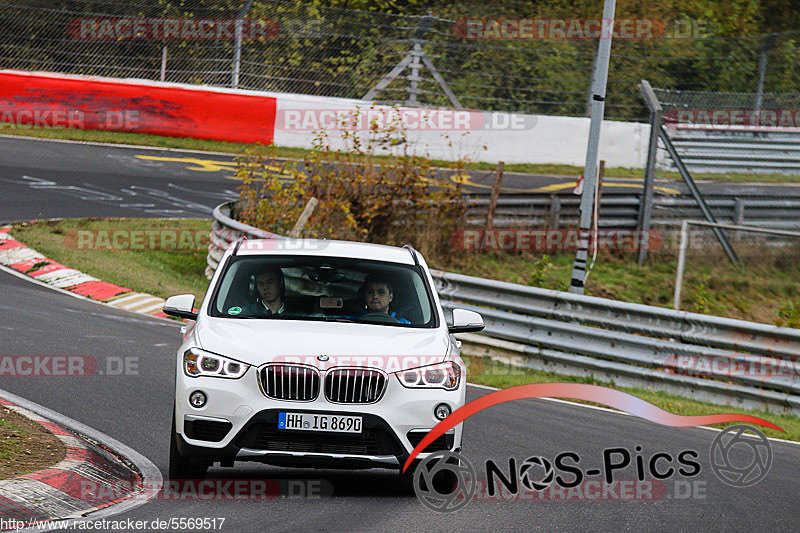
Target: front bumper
x=242 y=425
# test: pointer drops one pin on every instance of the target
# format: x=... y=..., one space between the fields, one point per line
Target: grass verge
x=164 y=273
x=26 y=446
x=161 y=273
x=182 y=143
x=760 y=289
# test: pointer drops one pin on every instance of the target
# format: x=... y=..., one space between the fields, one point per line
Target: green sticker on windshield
x=234 y=310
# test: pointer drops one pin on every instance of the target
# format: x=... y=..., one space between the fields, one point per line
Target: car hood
x=341 y=344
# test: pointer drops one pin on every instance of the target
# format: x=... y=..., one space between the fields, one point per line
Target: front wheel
x=181 y=467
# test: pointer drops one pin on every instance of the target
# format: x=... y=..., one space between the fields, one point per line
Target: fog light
x=197 y=399
x=442 y=411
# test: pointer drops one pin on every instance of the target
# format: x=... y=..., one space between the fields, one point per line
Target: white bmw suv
x=315 y=353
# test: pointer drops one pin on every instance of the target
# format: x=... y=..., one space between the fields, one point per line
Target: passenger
x=378 y=294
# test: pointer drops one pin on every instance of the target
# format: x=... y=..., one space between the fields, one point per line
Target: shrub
x=363 y=193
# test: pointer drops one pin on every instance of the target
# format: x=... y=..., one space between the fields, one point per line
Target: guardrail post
x=676 y=301
x=555 y=211
x=738 y=217
x=498 y=179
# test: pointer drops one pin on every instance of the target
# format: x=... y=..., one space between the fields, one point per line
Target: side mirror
x=465 y=321
x=181 y=306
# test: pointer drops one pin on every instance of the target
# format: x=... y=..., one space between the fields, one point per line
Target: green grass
x=183 y=143
x=157 y=272
x=766 y=282
x=13 y=446
x=486 y=371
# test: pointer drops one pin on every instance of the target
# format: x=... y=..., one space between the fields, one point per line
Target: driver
x=270 y=290
x=379 y=293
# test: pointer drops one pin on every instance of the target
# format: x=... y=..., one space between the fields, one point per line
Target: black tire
x=407 y=479
x=181 y=467
x=444 y=482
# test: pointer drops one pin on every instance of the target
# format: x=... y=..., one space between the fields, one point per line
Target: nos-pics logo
x=445 y=481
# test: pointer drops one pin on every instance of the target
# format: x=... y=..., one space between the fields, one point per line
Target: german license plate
x=319 y=422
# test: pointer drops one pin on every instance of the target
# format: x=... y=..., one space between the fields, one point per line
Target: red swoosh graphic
x=594 y=393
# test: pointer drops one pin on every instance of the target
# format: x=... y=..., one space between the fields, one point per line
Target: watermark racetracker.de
x=512 y=239
x=166 y=29
x=66 y=117
x=772 y=119
x=53 y=366
x=118 y=239
x=738 y=365
x=527 y=29
x=309 y=120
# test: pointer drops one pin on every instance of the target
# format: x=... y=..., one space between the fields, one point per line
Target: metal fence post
x=646 y=203
x=599 y=83
x=237 y=48
x=762 y=70
x=498 y=180
x=413 y=59
x=163 y=64
x=706 y=210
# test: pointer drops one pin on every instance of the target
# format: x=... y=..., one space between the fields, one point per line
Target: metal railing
x=731 y=132
x=713 y=150
x=621 y=210
x=638 y=344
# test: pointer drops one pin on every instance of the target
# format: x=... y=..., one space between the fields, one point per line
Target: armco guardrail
x=642 y=343
x=622 y=210
x=625 y=317
x=717 y=150
x=224 y=231
x=631 y=344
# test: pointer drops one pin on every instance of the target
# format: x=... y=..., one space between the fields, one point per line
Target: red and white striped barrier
x=43 y=99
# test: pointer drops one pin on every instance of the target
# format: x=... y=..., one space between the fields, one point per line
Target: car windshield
x=325 y=289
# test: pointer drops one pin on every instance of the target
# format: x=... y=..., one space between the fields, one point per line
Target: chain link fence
x=753 y=132
x=345 y=53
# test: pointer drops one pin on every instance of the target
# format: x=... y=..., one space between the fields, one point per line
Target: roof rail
x=413 y=253
x=239 y=242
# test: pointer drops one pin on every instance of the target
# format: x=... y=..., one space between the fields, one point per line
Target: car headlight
x=445 y=375
x=197 y=362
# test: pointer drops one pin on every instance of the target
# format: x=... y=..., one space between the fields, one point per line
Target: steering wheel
x=379 y=317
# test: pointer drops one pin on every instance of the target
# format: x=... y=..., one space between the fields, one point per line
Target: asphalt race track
x=47 y=179
x=136 y=408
